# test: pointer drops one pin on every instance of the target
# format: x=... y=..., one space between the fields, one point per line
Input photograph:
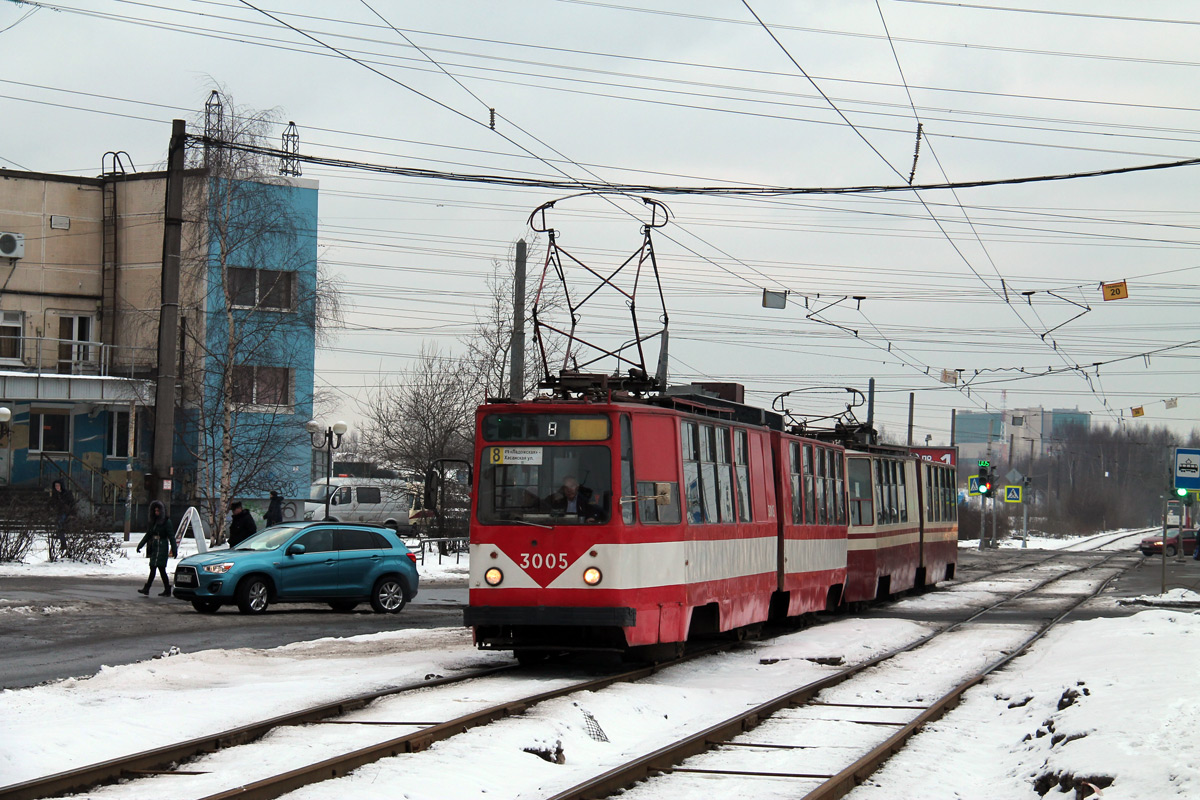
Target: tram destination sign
x=515 y=455
x=1187 y=468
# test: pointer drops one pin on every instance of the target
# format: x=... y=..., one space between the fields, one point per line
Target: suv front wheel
x=253 y=595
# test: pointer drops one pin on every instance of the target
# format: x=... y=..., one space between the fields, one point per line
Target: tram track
x=671 y=760
x=167 y=760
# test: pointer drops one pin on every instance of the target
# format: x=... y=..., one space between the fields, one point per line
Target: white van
x=378 y=501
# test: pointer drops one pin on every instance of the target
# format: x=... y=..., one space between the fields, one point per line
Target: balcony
x=44 y=368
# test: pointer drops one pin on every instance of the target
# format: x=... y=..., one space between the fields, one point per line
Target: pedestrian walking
x=62 y=503
x=275 y=509
x=159 y=542
x=241 y=526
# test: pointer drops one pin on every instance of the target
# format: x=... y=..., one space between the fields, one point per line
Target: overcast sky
x=1003 y=280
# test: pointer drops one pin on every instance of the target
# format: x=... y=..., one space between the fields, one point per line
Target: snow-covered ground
x=130 y=563
x=1104 y=698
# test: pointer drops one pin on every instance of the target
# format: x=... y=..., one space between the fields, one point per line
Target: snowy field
x=1109 y=699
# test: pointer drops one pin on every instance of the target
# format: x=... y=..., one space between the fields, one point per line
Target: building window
x=1018 y=422
x=261 y=288
x=118 y=434
x=50 y=432
x=262 y=386
x=12 y=329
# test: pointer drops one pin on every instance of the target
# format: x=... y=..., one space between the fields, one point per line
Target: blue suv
x=311 y=562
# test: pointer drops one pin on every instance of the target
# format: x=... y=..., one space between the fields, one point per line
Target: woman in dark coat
x=159 y=541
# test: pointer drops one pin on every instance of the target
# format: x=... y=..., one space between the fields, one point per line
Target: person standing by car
x=62 y=503
x=275 y=509
x=159 y=542
x=242 y=526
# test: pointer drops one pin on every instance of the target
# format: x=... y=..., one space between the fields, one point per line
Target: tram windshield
x=545 y=485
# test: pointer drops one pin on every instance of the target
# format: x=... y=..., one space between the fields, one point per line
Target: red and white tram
x=605 y=523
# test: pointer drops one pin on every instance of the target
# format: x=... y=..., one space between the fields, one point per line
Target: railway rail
x=167 y=760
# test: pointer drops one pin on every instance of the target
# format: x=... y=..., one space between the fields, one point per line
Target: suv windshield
x=269 y=539
x=545 y=485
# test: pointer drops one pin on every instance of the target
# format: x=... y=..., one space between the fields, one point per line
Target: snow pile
x=1109 y=701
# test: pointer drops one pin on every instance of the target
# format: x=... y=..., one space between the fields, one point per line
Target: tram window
x=933 y=494
x=797 y=508
x=839 y=486
x=881 y=492
x=741 y=460
x=822 y=510
x=555 y=485
x=708 y=472
x=810 y=502
x=627 y=493
x=902 y=489
x=724 y=475
x=858 y=473
x=649 y=509
x=691 y=472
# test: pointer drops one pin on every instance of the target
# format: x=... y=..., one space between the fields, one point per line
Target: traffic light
x=985 y=481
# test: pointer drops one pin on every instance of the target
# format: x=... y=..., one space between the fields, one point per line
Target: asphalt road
x=53 y=628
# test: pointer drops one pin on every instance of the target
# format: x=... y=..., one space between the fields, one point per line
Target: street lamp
x=330 y=439
x=5 y=416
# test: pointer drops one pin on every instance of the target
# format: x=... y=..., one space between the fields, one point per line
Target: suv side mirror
x=295 y=550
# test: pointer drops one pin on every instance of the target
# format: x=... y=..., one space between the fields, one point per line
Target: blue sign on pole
x=1187 y=468
x=973 y=485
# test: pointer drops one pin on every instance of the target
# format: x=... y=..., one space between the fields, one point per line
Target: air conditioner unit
x=12 y=245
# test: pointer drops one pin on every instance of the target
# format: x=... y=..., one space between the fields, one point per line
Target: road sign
x=1012 y=494
x=1116 y=291
x=973 y=486
x=1187 y=468
x=1012 y=476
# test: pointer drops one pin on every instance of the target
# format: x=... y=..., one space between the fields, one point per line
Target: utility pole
x=516 y=371
x=168 y=319
x=912 y=398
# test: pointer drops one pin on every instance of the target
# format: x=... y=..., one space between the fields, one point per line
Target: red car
x=1152 y=545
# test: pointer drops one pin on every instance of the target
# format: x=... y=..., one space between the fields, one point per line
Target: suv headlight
x=218 y=569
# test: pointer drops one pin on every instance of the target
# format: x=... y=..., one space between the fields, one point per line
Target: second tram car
x=602 y=523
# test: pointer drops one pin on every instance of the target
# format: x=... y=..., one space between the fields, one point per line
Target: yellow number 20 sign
x=1115 y=291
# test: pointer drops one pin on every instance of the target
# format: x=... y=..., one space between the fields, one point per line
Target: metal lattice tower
x=214 y=122
x=289 y=164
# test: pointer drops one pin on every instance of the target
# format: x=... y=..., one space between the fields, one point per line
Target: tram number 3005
x=549 y=560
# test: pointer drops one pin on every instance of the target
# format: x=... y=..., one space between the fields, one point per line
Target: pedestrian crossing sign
x=973 y=486
x=1012 y=494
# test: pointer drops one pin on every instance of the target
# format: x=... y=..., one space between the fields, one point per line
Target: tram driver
x=576 y=500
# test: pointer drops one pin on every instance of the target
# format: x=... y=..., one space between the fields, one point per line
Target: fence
x=444 y=547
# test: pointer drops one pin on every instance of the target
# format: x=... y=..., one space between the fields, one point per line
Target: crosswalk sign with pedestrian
x=1012 y=494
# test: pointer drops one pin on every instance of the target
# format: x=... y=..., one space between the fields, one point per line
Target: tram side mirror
x=662 y=494
x=431 y=487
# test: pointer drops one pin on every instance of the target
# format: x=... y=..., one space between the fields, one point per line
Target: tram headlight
x=493 y=576
x=592 y=576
